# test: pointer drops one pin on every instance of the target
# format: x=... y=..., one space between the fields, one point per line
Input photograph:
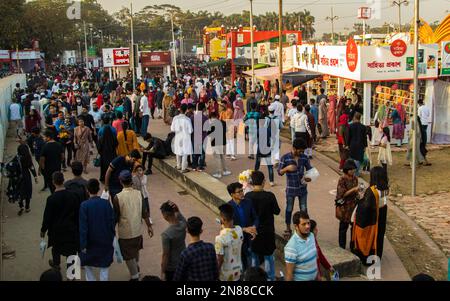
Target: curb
x=213 y=193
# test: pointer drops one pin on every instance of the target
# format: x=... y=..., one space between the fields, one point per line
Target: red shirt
x=151 y=100
x=99 y=100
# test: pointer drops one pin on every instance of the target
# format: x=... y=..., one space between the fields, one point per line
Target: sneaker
x=226 y=173
x=217 y=176
x=251 y=157
x=20 y=212
x=233 y=158
x=28 y=210
x=148 y=172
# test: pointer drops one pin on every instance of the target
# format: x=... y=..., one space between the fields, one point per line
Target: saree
x=82 y=139
x=365 y=225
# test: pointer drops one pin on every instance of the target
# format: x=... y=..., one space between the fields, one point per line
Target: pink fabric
x=332 y=114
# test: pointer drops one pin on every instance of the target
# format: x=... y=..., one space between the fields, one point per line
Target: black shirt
x=52 y=152
x=118 y=164
x=218 y=129
x=266 y=206
x=88 y=120
x=357 y=141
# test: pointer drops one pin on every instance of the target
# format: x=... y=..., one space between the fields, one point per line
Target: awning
x=217 y=63
x=270 y=73
x=242 y=61
x=294 y=77
x=300 y=77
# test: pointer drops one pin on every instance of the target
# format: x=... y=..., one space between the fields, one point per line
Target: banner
x=116 y=57
x=445 y=55
x=218 y=48
x=155 y=59
x=5 y=56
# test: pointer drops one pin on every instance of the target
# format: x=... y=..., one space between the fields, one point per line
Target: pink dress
x=332 y=114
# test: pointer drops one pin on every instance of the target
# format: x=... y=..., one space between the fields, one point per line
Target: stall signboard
x=263 y=53
x=218 y=48
x=388 y=63
x=331 y=60
x=5 y=56
x=369 y=63
x=445 y=53
x=245 y=52
x=156 y=59
x=26 y=55
x=116 y=57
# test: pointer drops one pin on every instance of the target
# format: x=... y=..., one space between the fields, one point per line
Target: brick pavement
x=432 y=213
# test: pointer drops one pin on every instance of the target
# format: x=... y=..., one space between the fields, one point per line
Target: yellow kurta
x=125 y=147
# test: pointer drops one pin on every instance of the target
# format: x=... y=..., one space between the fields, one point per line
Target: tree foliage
x=46 y=20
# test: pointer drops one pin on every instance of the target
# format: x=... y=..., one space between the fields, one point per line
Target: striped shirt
x=302 y=253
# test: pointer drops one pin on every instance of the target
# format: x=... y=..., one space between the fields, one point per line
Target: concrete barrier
x=213 y=193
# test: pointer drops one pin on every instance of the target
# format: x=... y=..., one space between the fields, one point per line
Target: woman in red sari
x=332 y=114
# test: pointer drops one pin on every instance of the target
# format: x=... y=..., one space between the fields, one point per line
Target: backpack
x=13 y=171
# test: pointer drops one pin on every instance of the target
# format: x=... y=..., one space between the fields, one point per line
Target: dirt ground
x=429 y=178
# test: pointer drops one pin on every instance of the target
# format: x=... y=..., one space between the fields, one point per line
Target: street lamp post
x=85 y=45
x=416 y=94
x=132 y=47
x=174 y=48
x=280 y=43
x=399 y=4
x=332 y=18
x=252 y=45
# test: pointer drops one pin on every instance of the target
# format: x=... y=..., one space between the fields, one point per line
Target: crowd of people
x=84 y=113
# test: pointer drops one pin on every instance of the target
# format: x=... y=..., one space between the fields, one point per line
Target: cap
x=125 y=175
x=277 y=97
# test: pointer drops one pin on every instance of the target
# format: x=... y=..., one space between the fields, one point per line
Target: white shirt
x=14 y=109
x=291 y=113
x=424 y=115
x=144 y=106
x=278 y=109
x=97 y=117
x=300 y=123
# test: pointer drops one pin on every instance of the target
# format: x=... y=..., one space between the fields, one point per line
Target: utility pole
x=90 y=30
x=101 y=35
x=280 y=43
x=416 y=95
x=174 y=46
x=332 y=18
x=85 y=45
x=252 y=45
x=399 y=4
x=132 y=49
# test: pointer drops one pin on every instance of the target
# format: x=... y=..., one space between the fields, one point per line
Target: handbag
x=97 y=161
x=340 y=209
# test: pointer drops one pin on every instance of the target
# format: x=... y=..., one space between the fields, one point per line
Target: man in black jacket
x=357 y=138
x=155 y=149
x=217 y=133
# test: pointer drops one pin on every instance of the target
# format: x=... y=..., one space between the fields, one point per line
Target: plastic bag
x=105 y=195
x=43 y=247
x=117 y=252
x=312 y=174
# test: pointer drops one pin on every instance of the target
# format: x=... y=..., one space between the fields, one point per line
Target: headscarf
x=401 y=111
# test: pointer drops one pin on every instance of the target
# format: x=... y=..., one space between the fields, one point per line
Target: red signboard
x=398 y=48
x=352 y=55
x=121 y=57
x=155 y=59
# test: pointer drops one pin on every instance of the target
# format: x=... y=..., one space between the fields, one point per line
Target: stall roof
x=218 y=63
x=300 y=77
x=270 y=73
x=242 y=61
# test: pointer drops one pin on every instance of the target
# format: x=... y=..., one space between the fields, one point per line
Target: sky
x=346 y=10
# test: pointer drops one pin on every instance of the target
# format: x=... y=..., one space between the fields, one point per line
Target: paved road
x=320 y=200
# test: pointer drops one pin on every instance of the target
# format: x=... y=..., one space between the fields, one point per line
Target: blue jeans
x=358 y=167
x=290 y=200
x=269 y=265
x=270 y=167
x=144 y=127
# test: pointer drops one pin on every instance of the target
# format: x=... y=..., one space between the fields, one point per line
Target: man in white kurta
x=182 y=146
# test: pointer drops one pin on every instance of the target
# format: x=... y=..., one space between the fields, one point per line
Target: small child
x=140 y=183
